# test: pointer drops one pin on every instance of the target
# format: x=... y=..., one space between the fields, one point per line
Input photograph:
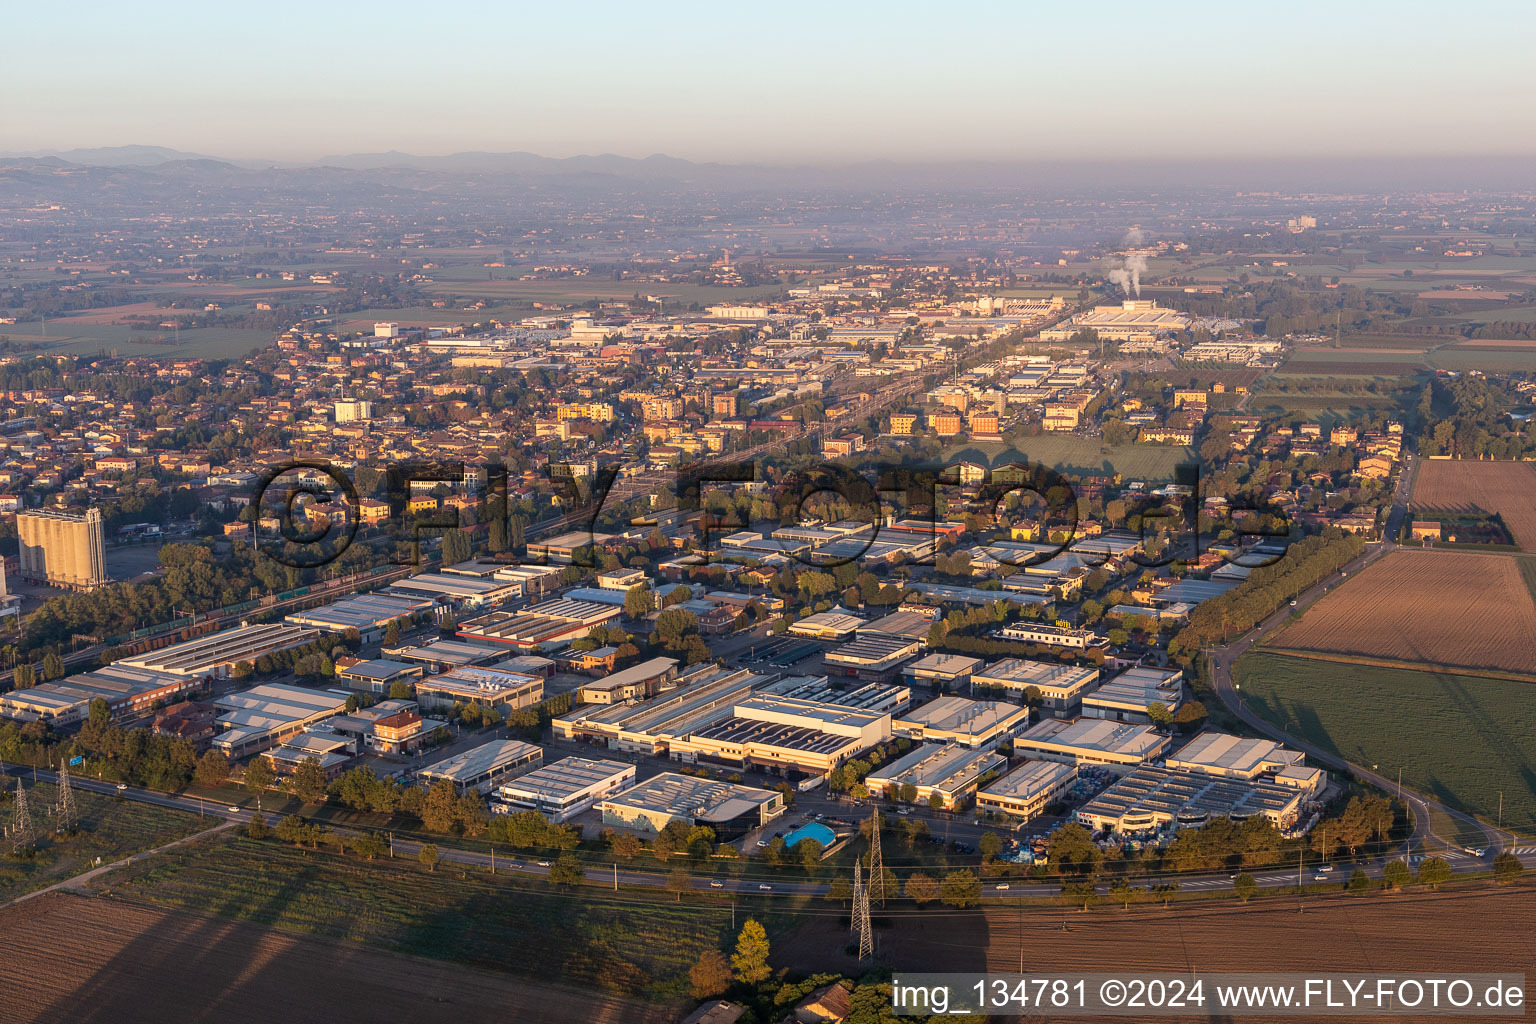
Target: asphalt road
x=1222 y=659
x=761 y=883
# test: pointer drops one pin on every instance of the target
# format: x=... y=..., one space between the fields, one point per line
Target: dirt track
x=95 y=961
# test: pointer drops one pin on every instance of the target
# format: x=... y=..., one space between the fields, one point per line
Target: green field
x=89 y=339
x=625 y=942
x=1461 y=738
x=110 y=829
x=1085 y=455
x=472 y=282
x=1486 y=360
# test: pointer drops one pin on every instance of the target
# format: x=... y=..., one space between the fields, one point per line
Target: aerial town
x=656 y=590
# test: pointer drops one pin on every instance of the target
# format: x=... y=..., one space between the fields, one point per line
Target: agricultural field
x=84 y=338
x=1482 y=930
x=1488 y=360
x=1434 y=608
x=109 y=829
x=1089 y=455
x=1464 y=738
x=1346 y=362
x=1473 y=486
x=619 y=942
x=103 y=961
x=473 y=283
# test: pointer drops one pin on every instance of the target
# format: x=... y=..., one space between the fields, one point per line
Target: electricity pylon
x=64 y=809
x=876 y=862
x=21 y=833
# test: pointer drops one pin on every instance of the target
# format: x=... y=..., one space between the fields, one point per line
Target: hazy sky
x=781 y=82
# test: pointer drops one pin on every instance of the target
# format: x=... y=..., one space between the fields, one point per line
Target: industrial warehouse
x=785 y=734
x=1120 y=747
x=127 y=690
x=970 y=723
x=264 y=716
x=564 y=789
x=491 y=686
x=1151 y=798
x=479 y=769
x=369 y=614
x=1061 y=687
x=1029 y=789
x=541 y=627
x=941 y=775
x=730 y=810
x=214 y=655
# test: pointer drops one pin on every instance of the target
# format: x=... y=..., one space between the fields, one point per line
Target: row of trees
x=1266 y=590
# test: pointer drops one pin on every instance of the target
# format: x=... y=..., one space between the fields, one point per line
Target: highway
x=761 y=882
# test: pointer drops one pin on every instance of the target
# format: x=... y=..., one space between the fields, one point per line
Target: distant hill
x=128 y=156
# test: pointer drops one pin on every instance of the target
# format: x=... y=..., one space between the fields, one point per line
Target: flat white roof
x=1232 y=753
x=1030 y=779
x=956 y=714
x=477 y=761
x=565 y=778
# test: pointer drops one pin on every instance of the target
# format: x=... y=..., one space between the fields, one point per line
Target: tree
x=566 y=870
x=212 y=768
x=921 y=888
x=308 y=782
x=1159 y=715
x=1358 y=885
x=439 y=811
x=1245 y=886
x=1507 y=868
x=53 y=666
x=711 y=975
x=626 y=846
x=1396 y=874
x=370 y=845
x=840 y=891
x=24 y=677
x=428 y=856
x=809 y=852
x=1434 y=871
x=679 y=881
x=1190 y=717
x=259 y=777
x=638 y=600
x=750 y=961
x=392 y=635
x=1073 y=851
x=1079 y=893
x=257 y=828
x=990 y=845
x=399 y=690
x=960 y=889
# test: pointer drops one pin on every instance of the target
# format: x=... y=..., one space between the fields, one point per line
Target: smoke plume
x=1128 y=275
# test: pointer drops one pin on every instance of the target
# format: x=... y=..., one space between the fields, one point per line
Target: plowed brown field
x=1467 y=486
x=1482 y=930
x=91 y=960
x=1446 y=608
